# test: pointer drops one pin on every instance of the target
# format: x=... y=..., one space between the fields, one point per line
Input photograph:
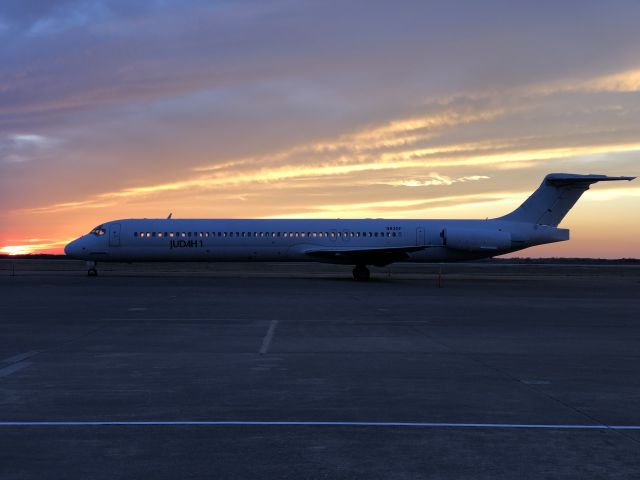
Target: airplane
x=358 y=242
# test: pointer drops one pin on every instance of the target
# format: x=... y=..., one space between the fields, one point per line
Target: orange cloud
x=409 y=159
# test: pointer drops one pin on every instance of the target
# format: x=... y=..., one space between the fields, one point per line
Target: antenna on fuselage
x=169 y=217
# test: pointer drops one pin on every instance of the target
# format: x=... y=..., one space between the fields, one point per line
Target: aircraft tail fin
x=553 y=199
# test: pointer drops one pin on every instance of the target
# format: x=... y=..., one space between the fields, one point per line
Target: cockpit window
x=98 y=231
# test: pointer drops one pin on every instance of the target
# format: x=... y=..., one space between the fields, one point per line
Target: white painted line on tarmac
x=223 y=423
x=14 y=367
x=266 y=342
x=19 y=357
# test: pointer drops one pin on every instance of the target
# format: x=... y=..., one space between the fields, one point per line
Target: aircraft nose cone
x=71 y=249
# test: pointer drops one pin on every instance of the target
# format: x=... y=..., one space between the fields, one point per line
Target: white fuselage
x=293 y=240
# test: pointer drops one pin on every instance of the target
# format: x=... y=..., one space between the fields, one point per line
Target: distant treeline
x=562 y=260
x=516 y=260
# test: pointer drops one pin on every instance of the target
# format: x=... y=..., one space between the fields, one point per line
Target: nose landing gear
x=92 y=271
x=361 y=273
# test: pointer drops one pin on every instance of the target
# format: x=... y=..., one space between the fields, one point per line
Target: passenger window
x=160 y=234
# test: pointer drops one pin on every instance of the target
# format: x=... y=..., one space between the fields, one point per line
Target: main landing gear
x=92 y=272
x=361 y=273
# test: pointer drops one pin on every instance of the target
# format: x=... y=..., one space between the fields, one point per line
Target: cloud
x=399 y=147
x=627 y=81
x=407 y=208
x=417 y=160
x=434 y=179
x=31 y=139
x=23 y=147
x=67 y=17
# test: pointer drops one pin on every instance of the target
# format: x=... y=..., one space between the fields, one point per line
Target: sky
x=315 y=109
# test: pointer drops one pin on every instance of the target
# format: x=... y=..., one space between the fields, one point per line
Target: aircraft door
x=420 y=236
x=114 y=235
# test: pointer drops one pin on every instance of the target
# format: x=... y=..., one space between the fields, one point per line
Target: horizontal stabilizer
x=572 y=178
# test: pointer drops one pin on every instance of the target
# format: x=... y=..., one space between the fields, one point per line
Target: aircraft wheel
x=361 y=273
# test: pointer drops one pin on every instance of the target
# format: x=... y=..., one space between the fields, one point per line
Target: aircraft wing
x=379 y=256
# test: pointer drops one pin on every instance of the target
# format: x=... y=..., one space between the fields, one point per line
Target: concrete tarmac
x=487 y=377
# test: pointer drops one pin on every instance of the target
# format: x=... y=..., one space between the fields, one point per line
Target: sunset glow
x=276 y=109
x=17 y=250
x=35 y=247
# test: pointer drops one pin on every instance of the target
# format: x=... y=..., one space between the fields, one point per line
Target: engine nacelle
x=475 y=240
